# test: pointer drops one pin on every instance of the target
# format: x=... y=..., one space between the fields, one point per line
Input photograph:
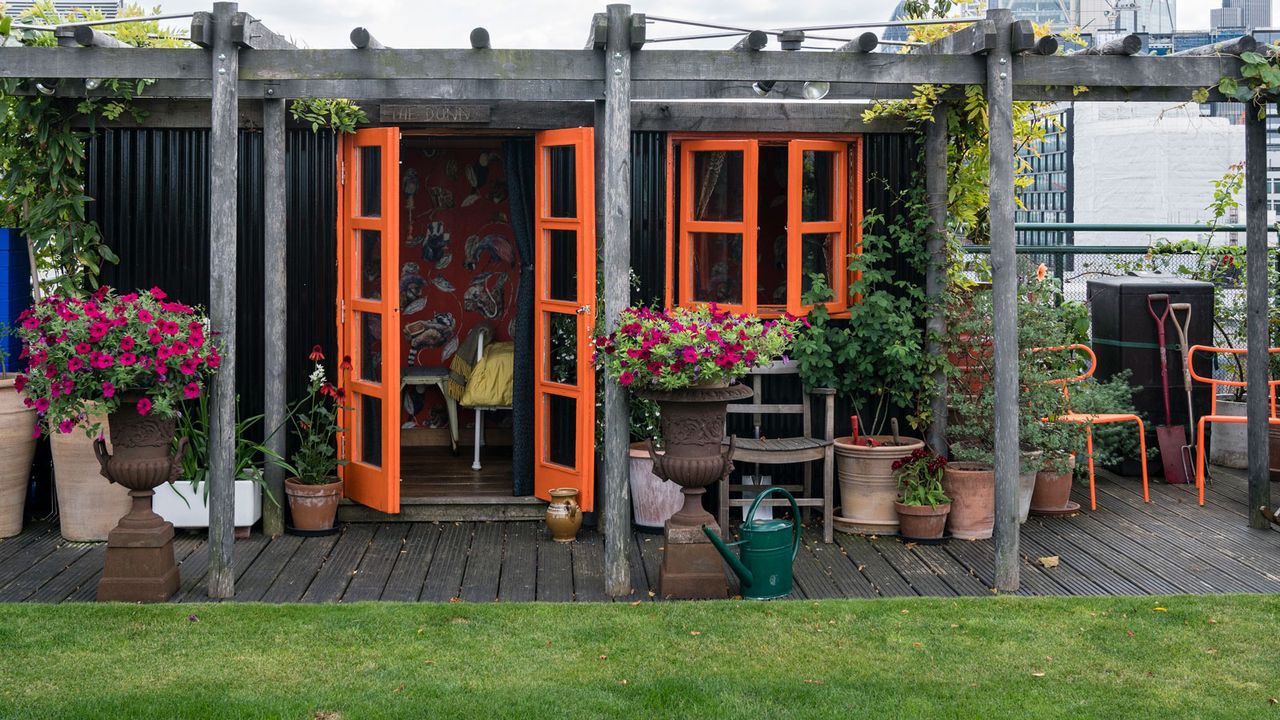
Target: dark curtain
x=519 y=154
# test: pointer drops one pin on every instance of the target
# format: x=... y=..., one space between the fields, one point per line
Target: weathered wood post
x=275 y=308
x=1257 y=337
x=616 y=258
x=935 y=160
x=1004 y=280
x=224 y=125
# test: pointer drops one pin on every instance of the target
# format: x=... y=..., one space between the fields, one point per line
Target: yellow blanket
x=490 y=382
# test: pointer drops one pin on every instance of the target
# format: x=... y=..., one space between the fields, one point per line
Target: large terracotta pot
x=922 y=522
x=653 y=499
x=972 y=489
x=1229 y=442
x=88 y=507
x=868 y=487
x=564 y=518
x=18 y=448
x=313 y=507
x=1053 y=490
x=1031 y=462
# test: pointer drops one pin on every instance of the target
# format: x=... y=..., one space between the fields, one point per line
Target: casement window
x=752 y=218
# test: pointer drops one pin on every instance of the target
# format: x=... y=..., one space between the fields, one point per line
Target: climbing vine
x=337 y=114
x=1258 y=83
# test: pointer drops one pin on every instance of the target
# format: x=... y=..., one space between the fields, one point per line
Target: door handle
x=584 y=309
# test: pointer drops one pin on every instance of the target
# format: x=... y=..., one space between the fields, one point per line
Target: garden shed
x=519 y=190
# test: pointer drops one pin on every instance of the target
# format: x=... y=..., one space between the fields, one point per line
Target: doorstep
x=449 y=509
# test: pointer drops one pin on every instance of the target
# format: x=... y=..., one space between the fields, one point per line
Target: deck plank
x=339 y=567
x=245 y=551
x=74 y=576
x=448 y=563
x=1103 y=580
x=884 y=577
x=297 y=576
x=29 y=536
x=29 y=581
x=410 y=571
x=913 y=569
x=811 y=574
x=588 y=568
x=555 y=570
x=844 y=574
x=370 y=578
x=960 y=577
x=266 y=568
x=484 y=564
x=518 y=581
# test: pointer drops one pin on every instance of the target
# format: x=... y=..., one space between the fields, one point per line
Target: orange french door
x=718 y=226
x=817 y=221
x=564 y=316
x=369 y=316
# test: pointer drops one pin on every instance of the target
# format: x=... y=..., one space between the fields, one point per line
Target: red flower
x=191 y=391
x=346 y=363
x=42 y=404
x=126 y=344
x=213 y=360
x=144 y=406
x=127 y=358
x=145 y=316
x=66 y=426
x=83 y=348
x=327 y=389
x=158 y=294
x=316 y=354
x=20 y=382
x=108 y=389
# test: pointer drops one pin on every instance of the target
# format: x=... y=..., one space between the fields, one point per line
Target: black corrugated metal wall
x=150 y=190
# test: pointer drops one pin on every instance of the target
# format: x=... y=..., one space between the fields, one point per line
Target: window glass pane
x=819 y=183
x=562 y=348
x=717 y=185
x=816 y=257
x=561 y=431
x=563 y=268
x=371 y=430
x=717 y=267
x=562 y=188
x=370 y=346
x=771 y=236
x=371 y=264
x=371 y=181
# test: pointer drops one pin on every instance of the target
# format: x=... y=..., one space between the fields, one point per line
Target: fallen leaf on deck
x=652 y=593
x=1049 y=562
x=909 y=545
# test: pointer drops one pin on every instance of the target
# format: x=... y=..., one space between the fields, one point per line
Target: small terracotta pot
x=972 y=489
x=1053 y=490
x=19 y=448
x=563 y=515
x=922 y=522
x=313 y=507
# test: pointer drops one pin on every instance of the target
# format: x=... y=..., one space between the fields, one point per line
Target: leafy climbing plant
x=1258 y=83
x=337 y=114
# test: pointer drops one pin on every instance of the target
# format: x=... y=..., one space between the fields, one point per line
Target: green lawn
x=930 y=658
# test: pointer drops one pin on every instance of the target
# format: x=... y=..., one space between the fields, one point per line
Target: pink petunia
x=144 y=406
x=42 y=404
x=75 y=364
x=191 y=391
x=83 y=348
x=145 y=316
x=127 y=343
x=127 y=358
x=20 y=382
x=108 y=389
x=66 y=426
x=158 y=294
x=154 y=336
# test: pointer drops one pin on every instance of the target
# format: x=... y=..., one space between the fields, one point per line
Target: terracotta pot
x=18 y=448
x=695 y=455
x=922 y=522
x=313 y=507
x=972 y=489
x=1053 y=490
x=1229 y=442
x=1030 y=465
x=868 y=487
x=88 y=506
x=1273 y=447
x=564 y=518
x=653 y=499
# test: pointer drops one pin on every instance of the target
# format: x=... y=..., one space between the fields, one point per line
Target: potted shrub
x=653 y=499
x=876 y=361
x=18 y=444
x=185 y=503
x=313 y=486
x=922 y=505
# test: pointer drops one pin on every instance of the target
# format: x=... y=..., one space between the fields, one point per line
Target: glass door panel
x=718 y=223
x=817 y=221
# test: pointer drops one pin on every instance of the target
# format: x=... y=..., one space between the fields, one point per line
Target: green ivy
x=337 y=114
x=1258 y=83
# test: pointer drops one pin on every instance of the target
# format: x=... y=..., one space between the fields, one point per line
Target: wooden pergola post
x=275 y=307
x=935 y=161
x=615 y=254
x=1257 y=317
x=223 y=158
x=1004 y=281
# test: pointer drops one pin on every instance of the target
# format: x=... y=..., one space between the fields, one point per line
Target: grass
x=929 y=658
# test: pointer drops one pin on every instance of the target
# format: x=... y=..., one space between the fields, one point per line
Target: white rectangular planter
x=190 y=511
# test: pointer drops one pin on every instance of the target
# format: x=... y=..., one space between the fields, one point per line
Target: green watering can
x=769 y=548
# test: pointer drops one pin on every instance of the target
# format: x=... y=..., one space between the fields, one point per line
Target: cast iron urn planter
x=140 y=565
x=695 y=456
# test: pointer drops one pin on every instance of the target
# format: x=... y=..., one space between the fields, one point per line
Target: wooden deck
x=1125 y=548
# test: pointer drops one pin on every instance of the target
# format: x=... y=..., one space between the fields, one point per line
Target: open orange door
x=369 y=316
x=817 y=221
x=564 y=316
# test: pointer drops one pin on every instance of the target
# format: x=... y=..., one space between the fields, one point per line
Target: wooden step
x=449 y=509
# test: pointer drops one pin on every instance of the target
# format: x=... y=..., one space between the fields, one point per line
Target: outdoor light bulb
x=763 y=87
x=815 y=89
x=92 y=83
x=46 y=87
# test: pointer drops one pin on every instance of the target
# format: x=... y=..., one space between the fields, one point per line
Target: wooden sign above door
x=433 y=114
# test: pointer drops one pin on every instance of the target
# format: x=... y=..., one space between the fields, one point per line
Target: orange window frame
x=846 y=225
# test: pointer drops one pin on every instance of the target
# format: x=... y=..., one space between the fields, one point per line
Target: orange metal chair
x=1213 y=416
x=1091 y=419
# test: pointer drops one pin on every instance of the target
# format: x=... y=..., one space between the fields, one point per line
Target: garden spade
x=1183 y=327
x=1171 y=437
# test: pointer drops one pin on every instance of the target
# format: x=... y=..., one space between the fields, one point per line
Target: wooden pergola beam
x=1123 y=45
x=479 y=39
x=362 y=39
x=249 y=32
x=1234 y=46
x=864 y=43
x=1257 y=322
x=974 y=39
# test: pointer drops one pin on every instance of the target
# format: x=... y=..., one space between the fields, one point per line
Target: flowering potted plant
x=922 y=505
x=134 y=358
x=314 y=487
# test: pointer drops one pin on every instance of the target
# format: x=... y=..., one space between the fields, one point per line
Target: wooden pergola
x=244 y=62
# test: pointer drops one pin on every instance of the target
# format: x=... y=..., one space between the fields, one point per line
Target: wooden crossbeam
x=1124 y=45
x=86 y=36
x=977 y=38
x=864 y=43
x=1234 y=46
x=598 y=32
x=249 y=32
x=753 y=41
x=362 y=39
x=479 y=39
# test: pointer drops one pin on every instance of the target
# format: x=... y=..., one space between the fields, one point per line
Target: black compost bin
x=1124 y=338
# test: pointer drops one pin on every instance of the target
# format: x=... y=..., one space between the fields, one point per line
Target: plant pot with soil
x=1052 y=495
x=868 y=486
x=922 y=505
x=314 y=488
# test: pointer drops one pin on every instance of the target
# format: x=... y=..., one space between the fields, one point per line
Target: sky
x=562 y=23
